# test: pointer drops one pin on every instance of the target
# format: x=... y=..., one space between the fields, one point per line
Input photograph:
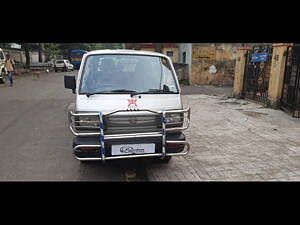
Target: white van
x=2 y=68
x=128 y=105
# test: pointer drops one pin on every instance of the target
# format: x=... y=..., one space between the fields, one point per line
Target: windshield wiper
x=112 y=91
x=154 y=91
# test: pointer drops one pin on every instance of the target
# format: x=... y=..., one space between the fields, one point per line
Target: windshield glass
x=60 y=61
x=121 y=73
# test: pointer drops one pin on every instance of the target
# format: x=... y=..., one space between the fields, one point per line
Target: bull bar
x=103 y=137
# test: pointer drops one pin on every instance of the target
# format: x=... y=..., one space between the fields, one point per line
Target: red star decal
x=132 y=102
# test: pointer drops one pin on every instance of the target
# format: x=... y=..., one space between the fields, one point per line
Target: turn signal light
x=174 y=145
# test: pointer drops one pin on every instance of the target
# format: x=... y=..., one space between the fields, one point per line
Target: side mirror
x=70 y=83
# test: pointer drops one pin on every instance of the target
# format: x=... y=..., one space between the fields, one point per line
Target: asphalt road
x=35 y=141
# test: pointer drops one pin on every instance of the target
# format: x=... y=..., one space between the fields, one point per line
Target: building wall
x=187 y=49
x=181 y=71
x=148 y=49
x=175 y=57
x=213 y=63
x=19 y=56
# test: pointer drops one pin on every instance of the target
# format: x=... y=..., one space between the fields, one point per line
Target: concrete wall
x=19 y=56
x=175 y=57
x=239 y=72
x=181 y=71
x=213 y=63
x=148 y=49
x=187 y=49
x=276 y=81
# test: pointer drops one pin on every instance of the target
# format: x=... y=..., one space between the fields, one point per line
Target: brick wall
x=213 y=63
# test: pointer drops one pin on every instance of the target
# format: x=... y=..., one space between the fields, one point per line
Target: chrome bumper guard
x=162 y=134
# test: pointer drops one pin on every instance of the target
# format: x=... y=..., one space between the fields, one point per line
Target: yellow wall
x=239 y=72
x=175 y=58
x=148 y=49
x=213 y=64
x=277 y=75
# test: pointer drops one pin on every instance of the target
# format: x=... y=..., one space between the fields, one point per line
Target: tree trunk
x=26 y=48
x=41 y=50
x=69 y=48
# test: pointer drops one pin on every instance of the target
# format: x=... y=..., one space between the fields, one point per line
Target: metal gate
x=290 y=99
x=257 y=73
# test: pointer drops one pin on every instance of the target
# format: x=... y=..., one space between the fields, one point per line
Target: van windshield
x=127 y=73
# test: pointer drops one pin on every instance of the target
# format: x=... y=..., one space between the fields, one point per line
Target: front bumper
x=180 y=148
x=99 y=144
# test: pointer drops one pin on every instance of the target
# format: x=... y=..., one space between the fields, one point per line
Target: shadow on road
x=132 y=169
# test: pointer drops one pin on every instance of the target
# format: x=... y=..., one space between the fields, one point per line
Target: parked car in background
x=2 y=68
x=63 y=65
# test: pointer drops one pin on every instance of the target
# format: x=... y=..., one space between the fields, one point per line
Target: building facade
x=209 y=63
x=169 y=49
x=270 y=75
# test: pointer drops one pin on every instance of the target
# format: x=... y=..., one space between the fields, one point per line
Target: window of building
x=170 y=53
x=184 y=57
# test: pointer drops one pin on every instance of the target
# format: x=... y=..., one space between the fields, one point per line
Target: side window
x=167 y=75
x=1 y=55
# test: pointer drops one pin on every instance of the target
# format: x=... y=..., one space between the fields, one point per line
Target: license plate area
x=132 y=149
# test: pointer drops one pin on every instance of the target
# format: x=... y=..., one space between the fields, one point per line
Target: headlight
x=174 y=118
x=88 y=121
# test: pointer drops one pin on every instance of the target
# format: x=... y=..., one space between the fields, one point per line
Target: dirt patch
x=254 y=114
x=206 y=90
x=232 y=101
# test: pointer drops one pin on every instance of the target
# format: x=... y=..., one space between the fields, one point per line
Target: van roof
x=124 y=51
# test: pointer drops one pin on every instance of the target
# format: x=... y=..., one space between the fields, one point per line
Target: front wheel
x=166 y=159
x=88 y=162
x=3 y=78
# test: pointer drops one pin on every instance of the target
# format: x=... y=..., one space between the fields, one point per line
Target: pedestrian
x=9 y=65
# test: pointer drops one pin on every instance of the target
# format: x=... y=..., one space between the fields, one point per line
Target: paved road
x=35 y=141
x=230 y=139
x=235 y=140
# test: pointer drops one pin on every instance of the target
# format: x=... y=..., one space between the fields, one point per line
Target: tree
x=41 y=49
x=27 y=56
x=52 y=50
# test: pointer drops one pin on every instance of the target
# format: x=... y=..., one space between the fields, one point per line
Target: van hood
x=111 y=102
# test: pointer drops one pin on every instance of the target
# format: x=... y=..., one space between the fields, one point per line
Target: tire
x=166 y=159
x=3 y=78
x=88 y=162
